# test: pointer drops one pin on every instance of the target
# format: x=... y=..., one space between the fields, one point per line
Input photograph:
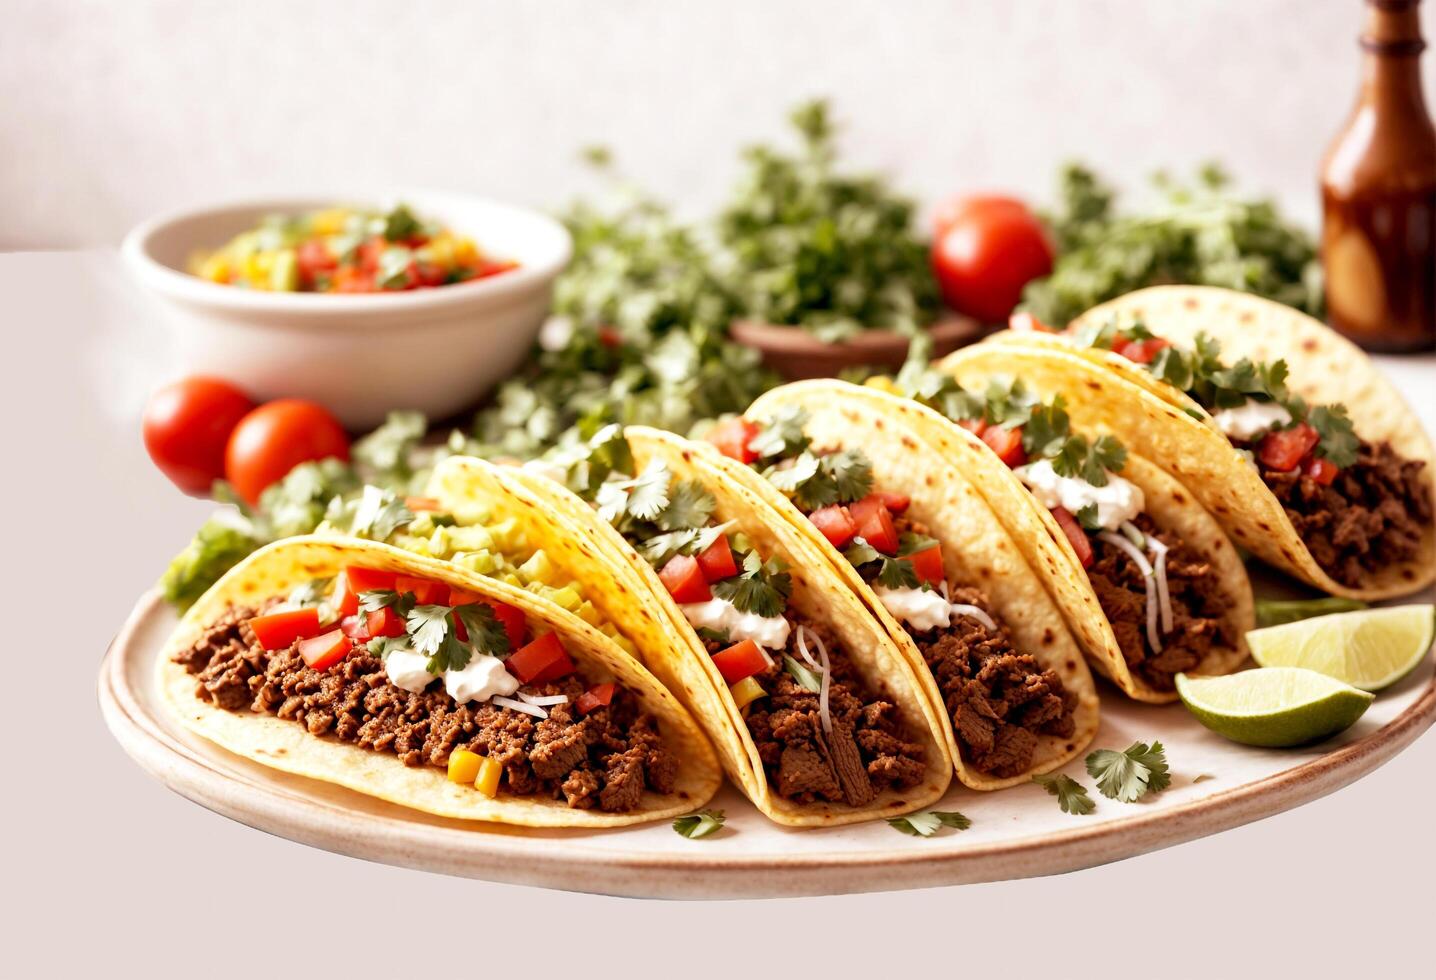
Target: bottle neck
x=1391 y=65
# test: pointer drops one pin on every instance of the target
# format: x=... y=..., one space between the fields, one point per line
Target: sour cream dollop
x=480 y=679
x=1250 y=419
x=1120 y=500
x=922 y=609
x=722 y=615
x=406 y=669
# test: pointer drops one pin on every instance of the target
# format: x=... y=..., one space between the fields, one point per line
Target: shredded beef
x=999 y=700
x=865 y=752
x=1369 y=518
x=1198 y=609
x=605 y=759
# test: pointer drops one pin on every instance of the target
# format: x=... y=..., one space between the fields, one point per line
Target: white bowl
x=361 y=355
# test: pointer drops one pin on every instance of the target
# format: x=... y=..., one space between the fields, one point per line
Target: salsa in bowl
x=358 y=353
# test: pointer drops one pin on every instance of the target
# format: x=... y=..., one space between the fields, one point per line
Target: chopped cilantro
x=859 y=553
x=897 y=573
x=688 y=506
x=700 y=824
x=783 y=435
x=1129 y=775
x=927 y=822
x=481 y=624
x=1071 y=795
x=761 y=588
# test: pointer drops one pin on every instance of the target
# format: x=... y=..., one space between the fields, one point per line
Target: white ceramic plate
x=1015 y=833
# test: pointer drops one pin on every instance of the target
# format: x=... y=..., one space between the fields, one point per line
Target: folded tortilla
x=288 y=746
x=1162 y=423
x=627 y=590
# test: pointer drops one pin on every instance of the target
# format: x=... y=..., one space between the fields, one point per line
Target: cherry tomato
x=1075 y=535
x=186 y=427
x=1007 y=444
x=683 y=577
x=275 y=631
x=743 y=659
x=717 y=561
x=732 y=436
x=1320 y=469
x=954 y=209
x=990 y=251
x=1284 y=449
x=276 y=437
x=835 y=523
x=928 y=565
x=598 y=696
x=542 y=660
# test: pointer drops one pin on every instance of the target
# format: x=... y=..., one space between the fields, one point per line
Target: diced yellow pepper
x=329 y=221
x=215 y=268
x=465 y=766
x=746 y=691
x=487 y=781
x=464 y=250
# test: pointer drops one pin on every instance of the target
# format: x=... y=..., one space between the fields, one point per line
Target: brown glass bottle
x=1378 y=189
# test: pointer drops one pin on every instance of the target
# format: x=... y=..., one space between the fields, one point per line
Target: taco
x=432 y=687
x=1145 y=579
x=1287 y=433
x=814 y=714
x=912 y=538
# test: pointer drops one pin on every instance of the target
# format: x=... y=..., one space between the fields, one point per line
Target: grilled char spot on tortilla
x=604 y=760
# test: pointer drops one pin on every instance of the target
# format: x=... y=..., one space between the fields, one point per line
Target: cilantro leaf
x=700 y=824
x=859 y=553
x=1047 y=429
x=897 y=573
x=1339 y=442
x=388 y=451
x=911 y=544
x=783 y=435
x=648 y=493
x=1129 y=775
x=400 y=224
x=481 y=624
x=1071 y=795
x=689 y=506
x=376 y=599
x=927 y=822
x=1087 y=516
x=794 y=473
x=761 y=589
x=431 y=634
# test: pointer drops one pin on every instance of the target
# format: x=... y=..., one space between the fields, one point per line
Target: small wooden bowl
x=796 y=354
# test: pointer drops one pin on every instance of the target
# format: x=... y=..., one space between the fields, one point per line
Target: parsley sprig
x=1129 y=775
x=1071 y=795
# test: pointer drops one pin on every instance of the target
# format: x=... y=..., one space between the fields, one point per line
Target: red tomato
x=1140 y=351
x=1320 y=469
x=684 y=579
x=314 y=260
x=370 y=251
x=462 y=597
x=384 y=622
x=1025 y=322
x=896 y=503
x=976 y=426
x=741 y=660
x=732 y=436
x=835 y=522
x=955 y=209
x=990 y=251
x=717 y=562
x=542 y=660
x=928 y=565
x=1284 y=449
x=509 y=617
x=368 y=579
x=276 y=437
x=863 y=509
x=1007 y=444
x=877 y=530
x=324 y=651
x=351 y=279
x=609 y=337
x=1076 y=536
x=345 y=598
x=598 y=696
x=426 y=591
x=356 y=628
x=276 y=631
x=186 y=427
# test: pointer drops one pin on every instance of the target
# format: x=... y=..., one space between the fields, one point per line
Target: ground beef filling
x=1198 y=609
x=1000 y=701
x=1369 y=518
x=866 y=751
x=603 y=760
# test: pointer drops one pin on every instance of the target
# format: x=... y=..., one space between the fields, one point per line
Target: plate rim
x=637 y=873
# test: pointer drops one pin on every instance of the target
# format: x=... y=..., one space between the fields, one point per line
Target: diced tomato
x=356 y=628
x=324 y=651
x=426 y=591
x=1284 y=449
x=732 y=437
x=864 y=509
x=509 y=617
x=345 y=599
x=351 y=279
x=928 y=564
x=368 y=579
x=877 y=530
x=370 y=251
x=684 y=578
x=740 y=660
x=1007 y=444
x=976 y=426
x=1027 y=323
x=896 y=503
x=542 y=660
x=424 y=274
x=598 y=696
x=421 y=503
x=1140 y=351
x=276 y=631
x=1320 y=469
x=609 y=337
x=384 y=622
x=462 y=597
x=1076 y=536
x=835 y=522
x=313 y=259
x=716 y=560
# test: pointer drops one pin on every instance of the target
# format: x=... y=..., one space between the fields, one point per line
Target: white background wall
x=111 y=111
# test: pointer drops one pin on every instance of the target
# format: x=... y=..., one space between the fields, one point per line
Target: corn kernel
x=487 y=781
x=465 y=766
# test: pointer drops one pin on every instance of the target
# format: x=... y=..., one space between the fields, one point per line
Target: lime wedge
x=1273 y=706
x=1370 y=649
